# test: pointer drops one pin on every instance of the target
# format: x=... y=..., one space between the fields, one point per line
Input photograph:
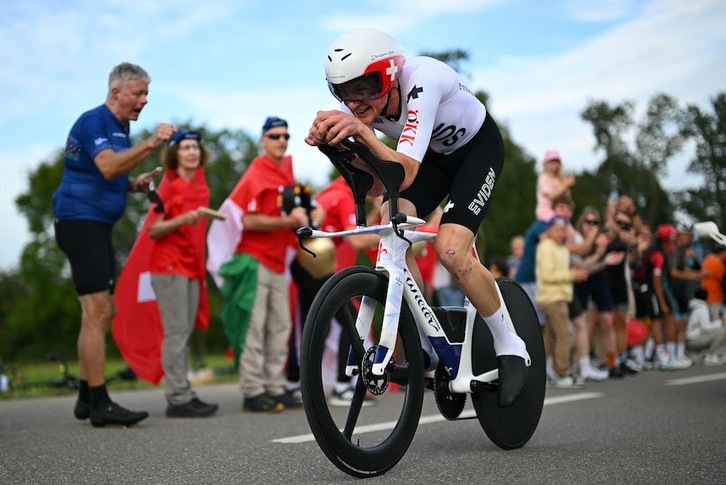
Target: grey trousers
x=262 y=362
x=178 y=299
x=711 y=341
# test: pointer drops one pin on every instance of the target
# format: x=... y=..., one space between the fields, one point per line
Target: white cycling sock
x=505 y=341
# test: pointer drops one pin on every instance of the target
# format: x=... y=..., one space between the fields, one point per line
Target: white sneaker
x=565 y=382
x=594 y=374
x=677 y=364
x=633 y=366
x=684 y=362
x=712 y=360
x=345 y=397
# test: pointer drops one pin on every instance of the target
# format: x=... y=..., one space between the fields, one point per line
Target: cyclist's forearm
x=385 y=153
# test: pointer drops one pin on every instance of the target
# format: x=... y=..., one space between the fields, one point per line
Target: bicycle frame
x=456 y=357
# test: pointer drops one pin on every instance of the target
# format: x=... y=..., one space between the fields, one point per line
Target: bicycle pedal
x=477 y=386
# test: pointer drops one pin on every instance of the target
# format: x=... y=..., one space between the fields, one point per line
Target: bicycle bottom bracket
x=376 y=385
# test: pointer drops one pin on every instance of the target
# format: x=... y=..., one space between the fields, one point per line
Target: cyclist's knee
x=456 y=260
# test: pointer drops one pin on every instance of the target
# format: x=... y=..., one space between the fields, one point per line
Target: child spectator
x=551 y=184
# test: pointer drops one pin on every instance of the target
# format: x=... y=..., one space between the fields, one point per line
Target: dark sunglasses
x=276 y=136
x=592 y=222
x=625 y=226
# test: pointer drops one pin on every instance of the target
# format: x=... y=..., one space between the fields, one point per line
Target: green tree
x=707 y=202
x=636 y=170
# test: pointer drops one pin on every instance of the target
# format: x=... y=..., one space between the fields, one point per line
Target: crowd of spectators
x=639 y=296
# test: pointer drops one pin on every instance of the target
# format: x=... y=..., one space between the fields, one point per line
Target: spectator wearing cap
x=712 y=280
x=554 y=293
x=255 y=312
x=551 y=183
x=178 y=257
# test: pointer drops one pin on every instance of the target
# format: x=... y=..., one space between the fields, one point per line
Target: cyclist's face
x=367 y=111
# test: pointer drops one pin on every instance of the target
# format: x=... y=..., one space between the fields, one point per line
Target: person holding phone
x=90 y=199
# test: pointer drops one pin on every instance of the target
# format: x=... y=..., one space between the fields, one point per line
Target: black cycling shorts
x=89 y=249
x=467 y=176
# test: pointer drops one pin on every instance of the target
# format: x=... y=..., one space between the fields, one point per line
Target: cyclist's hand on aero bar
x=332 y=127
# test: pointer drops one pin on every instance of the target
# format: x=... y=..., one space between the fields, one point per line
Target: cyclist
x=448 y=145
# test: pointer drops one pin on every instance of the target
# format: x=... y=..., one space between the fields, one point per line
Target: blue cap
x=557 y=220
x=184 y=135
x=273 y=122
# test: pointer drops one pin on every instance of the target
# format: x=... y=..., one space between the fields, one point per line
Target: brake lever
x=305 y=233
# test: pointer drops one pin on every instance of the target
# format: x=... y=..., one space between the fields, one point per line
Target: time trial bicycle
x=413 y=336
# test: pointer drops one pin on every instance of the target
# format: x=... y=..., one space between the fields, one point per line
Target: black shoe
x=512 y=378
x=193 y=409
x=290 y=399
x=627 y=370
x=262 y=404
x=82 y=410
x=616 y=372
x=112 y=413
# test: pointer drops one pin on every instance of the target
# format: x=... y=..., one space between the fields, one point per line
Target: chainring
x=376 y=385
x=450 y=405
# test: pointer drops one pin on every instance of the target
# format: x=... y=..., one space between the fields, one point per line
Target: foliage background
x=39 y=311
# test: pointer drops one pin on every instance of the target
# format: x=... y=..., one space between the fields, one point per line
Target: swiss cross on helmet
x=363 y=64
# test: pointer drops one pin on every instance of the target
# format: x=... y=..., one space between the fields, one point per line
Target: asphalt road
x=658 y=427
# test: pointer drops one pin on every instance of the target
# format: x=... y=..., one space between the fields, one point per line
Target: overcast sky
x=229 y=64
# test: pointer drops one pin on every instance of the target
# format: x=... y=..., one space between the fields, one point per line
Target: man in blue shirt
x=90 y=199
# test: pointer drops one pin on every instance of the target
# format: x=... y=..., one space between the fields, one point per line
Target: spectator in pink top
x=551 y=184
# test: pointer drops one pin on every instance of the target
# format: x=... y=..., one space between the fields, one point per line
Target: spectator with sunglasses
x=596 y=289
x=585 y=256
x=90 y=199
x=256 y=236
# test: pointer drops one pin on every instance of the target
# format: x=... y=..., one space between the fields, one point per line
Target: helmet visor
x=363 y=88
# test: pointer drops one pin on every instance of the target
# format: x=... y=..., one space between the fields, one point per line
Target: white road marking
x=304 y=438
x=695 y=380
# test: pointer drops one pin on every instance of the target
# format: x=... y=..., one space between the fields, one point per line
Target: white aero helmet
x=371 y=58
